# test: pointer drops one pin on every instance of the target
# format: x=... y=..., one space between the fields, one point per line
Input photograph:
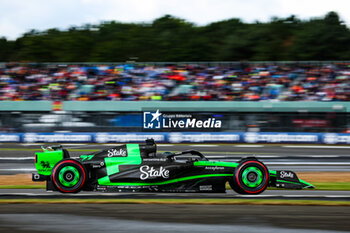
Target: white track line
x=318 y=156
x=319 y=147
x=160 y=145
x=111 y=144
x=18 y=169
x=31 y=144
x=16 y=158
x=252 y=146
x=199 y=145
x=73 y=144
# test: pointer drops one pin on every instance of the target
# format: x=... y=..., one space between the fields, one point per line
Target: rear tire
x=250 y=177
x=69 y=176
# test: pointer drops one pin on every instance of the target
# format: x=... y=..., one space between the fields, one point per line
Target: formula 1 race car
x=138 y=168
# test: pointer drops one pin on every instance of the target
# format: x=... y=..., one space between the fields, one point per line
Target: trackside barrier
x=177 y=137
x=177 y=106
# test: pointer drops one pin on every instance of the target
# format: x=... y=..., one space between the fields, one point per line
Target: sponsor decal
x=123 y=187
x=158 y=120
x=333 y=138
x=284 y=174
x=45 y=164
x=86 y=157
x=214 y=168
x=306 y=123
x=206 y=188
x=330 y=138
x=279 y=137
x=33 y=137
x=177 y=137
x=151 y=172
x=203 y=137
x=154 y=159
x=251 y=137
x=9 y=137
x=101 y=164
x=117 y=153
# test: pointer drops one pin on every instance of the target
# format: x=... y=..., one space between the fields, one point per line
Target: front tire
x=250 y=177
x=69 y=176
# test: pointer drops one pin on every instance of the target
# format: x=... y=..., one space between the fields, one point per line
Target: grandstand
x=177 y=82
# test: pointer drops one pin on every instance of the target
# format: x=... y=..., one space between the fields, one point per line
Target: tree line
x=173 y=39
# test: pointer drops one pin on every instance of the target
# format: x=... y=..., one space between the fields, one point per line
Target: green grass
x=177 y=201
x=344 y=186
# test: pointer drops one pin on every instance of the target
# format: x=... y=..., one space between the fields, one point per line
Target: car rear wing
x=46 y=160
x=51 y=148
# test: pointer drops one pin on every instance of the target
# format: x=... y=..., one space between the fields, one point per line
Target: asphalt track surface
x=183 y=218
x=18 y=158
x=319 y=195
x=86 y=218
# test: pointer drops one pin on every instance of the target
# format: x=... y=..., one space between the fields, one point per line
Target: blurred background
x=305 y=96
x=82 y=73
x=286 y=74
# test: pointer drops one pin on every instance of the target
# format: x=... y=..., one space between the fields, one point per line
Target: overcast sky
x=19 y=16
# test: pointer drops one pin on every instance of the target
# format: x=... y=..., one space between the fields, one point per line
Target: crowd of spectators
x=238 y=82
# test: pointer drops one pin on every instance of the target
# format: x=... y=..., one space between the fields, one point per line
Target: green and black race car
x=138 y=168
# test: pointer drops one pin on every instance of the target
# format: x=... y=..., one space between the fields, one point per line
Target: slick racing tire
x=69 y=176
x=250 y=177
